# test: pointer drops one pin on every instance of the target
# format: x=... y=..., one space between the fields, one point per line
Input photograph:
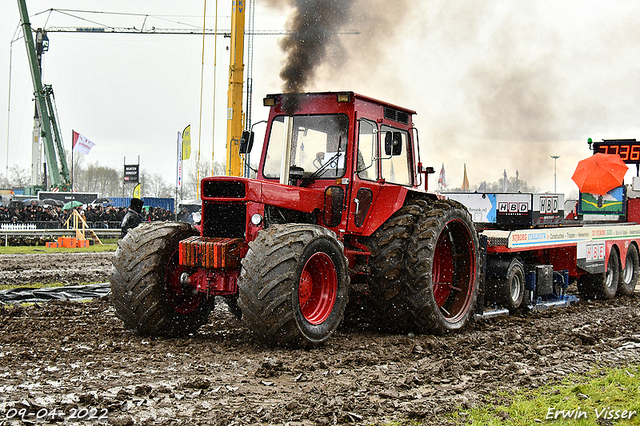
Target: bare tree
x=156 y=186
x=190 y=184
x=19 y=177
x=97 y=178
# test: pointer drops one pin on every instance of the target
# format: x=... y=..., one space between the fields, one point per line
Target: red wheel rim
x=453 y=271
x=317 y=288
x=184 y=298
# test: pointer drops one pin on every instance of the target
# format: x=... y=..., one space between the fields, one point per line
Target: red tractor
x=336 y=213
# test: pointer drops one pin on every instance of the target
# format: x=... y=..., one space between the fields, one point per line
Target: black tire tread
x=501 y=288
x=267 y=279
x=388 y=248
x=594 y=286
x=629 y=288
x=137 y=281
x=425 y=315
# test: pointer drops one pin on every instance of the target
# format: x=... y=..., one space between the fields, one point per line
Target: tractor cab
x=354 y=148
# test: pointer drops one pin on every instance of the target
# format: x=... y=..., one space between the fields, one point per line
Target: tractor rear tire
x=629 y=275
x=602 y=286
x=145 y=282
x=294 y=285
x=388 y=248
x=442 y=284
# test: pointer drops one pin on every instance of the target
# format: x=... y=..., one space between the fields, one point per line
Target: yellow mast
x=236 y=78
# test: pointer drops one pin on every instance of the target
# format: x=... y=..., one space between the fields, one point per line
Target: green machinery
x=46 y=114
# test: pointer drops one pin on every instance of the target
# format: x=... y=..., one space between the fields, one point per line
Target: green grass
x=41 y=285
x=593 y=399
x=106 y=247
x=34 y=285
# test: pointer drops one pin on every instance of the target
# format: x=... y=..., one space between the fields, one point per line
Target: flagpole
x=72 y=135
x=175 y=206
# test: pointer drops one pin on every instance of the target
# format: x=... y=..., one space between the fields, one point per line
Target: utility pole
x=555 y=161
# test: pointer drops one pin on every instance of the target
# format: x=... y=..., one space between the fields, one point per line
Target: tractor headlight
x=197 y=217
x=256 y=219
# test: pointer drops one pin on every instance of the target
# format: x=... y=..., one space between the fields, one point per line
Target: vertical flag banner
x=137 y=191
x=465 y=180
x=180 y=153
x=186 y=142
x=441 y=179
x=81 y=144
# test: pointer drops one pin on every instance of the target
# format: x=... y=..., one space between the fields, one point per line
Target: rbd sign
x=514 y=204
x=513 y=207
x=548 y=205
x=591 y=256
x=548 y=209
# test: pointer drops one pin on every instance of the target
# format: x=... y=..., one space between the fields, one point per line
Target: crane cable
x=215 y=74
x=204 y=20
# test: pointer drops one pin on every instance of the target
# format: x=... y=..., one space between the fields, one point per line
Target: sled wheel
x=294 y=284
x=603 y=285
x=149 y=290
x=629 y=276
x=442 y=257
x=508 y=292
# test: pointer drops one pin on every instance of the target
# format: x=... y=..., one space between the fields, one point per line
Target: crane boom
x=59 y=174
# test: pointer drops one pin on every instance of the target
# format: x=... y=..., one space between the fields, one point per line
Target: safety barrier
x=53 y=234
x=54 y=225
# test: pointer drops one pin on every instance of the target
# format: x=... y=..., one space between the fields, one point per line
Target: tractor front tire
x=294 y=285
x=146 y=289
x=442 y=280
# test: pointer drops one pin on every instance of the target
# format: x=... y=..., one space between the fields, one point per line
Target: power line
x=154 y=30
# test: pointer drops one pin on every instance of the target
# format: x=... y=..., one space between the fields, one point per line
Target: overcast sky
x=498 y=85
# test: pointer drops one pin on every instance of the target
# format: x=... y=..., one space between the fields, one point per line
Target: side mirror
x=393 y=143
x=246 y=142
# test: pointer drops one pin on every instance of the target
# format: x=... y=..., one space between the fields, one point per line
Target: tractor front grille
x=224 y=220
x=223 y=189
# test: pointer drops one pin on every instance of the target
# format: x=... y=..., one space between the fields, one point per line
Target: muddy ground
x=66 y=268
x=71 y=356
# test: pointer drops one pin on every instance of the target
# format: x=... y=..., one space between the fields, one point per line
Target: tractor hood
x=236 y=189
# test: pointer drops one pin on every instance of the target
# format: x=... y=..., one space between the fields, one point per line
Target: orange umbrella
x=600 y=173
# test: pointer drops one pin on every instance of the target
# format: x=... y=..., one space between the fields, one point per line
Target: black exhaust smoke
x=314 y=24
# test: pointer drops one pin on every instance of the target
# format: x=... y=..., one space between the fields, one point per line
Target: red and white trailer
x=535 y=266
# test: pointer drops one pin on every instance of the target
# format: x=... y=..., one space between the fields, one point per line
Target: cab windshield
x=318 y=142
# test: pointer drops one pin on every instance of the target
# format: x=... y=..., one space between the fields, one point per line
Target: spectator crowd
x=96 y=216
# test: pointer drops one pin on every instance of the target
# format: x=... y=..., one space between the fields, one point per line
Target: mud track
x=78 y=355
x=66 y=268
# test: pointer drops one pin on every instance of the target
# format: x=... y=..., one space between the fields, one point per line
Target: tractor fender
x=390 y=199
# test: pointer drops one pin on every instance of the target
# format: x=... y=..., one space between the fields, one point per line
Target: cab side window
x=395 y=160
x=367 y=161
